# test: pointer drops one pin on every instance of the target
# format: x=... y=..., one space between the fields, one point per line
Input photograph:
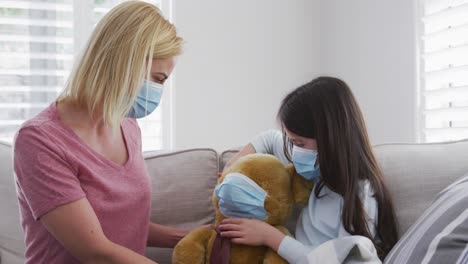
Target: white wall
x=240 y=59
x=372 y=46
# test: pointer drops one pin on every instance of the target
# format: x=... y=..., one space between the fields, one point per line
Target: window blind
x=36 y=47
x=444 y=54
x=38 y=42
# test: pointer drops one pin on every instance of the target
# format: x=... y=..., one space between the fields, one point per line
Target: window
x=38 y=42
x=444 y=69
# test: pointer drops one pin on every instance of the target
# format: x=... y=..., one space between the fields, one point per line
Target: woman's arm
x=77 y=228
x=164 y=236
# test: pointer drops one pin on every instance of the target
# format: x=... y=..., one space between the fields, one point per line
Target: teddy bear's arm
x=271 y=257
x=192 y=248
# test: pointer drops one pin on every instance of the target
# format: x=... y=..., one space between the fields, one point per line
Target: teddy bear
x=256 y=186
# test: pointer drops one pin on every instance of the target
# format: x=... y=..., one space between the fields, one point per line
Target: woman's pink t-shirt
x=53 y=167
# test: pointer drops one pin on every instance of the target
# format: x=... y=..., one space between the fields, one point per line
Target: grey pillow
x=441 y=234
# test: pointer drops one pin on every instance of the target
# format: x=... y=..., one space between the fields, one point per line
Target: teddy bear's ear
x=301 y=188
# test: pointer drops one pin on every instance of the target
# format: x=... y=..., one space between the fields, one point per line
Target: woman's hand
x=165 y=236
x=251 y=232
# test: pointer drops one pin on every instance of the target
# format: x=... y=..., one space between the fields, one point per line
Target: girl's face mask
x=305 y=163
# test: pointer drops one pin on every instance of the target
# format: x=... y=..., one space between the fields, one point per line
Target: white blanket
x=349 y=250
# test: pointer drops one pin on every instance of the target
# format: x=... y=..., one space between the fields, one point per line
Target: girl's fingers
x=238 y=241
x=232 y=221
x=229 y=227
x=231 y=234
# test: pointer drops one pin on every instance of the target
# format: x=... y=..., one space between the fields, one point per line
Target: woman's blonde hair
x=117 y=57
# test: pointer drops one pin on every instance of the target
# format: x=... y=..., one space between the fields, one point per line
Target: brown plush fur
x=284 y=187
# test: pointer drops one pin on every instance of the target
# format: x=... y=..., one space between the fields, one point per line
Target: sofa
x=183 y=182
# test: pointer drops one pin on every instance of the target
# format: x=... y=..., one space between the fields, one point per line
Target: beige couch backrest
x=183 y=183
x=11 y=234
x=415 y=173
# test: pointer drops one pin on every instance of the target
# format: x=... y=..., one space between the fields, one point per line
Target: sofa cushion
x=415 y=173
x=11 y=235
x=226 y=156
x=440 y=234
x=183 y=184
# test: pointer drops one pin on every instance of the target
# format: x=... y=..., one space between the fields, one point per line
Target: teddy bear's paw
x=272 y=257
x=188 y=255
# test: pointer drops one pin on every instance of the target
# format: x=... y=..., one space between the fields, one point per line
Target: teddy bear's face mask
x=240 y=197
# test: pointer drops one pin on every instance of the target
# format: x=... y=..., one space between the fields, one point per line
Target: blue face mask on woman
x=240 y=197
x=305 y=163
x=147 y=100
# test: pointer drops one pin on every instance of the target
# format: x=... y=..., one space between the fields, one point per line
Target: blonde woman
x=83 y=188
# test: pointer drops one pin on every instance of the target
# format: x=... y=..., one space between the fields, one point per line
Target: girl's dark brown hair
x=326 y=110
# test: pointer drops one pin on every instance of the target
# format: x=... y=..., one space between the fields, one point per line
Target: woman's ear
x=301 y=188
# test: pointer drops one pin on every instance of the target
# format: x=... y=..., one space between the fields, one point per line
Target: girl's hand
x=251 y=232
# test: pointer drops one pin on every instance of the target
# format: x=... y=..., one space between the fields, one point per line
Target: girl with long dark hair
x=325 y=137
